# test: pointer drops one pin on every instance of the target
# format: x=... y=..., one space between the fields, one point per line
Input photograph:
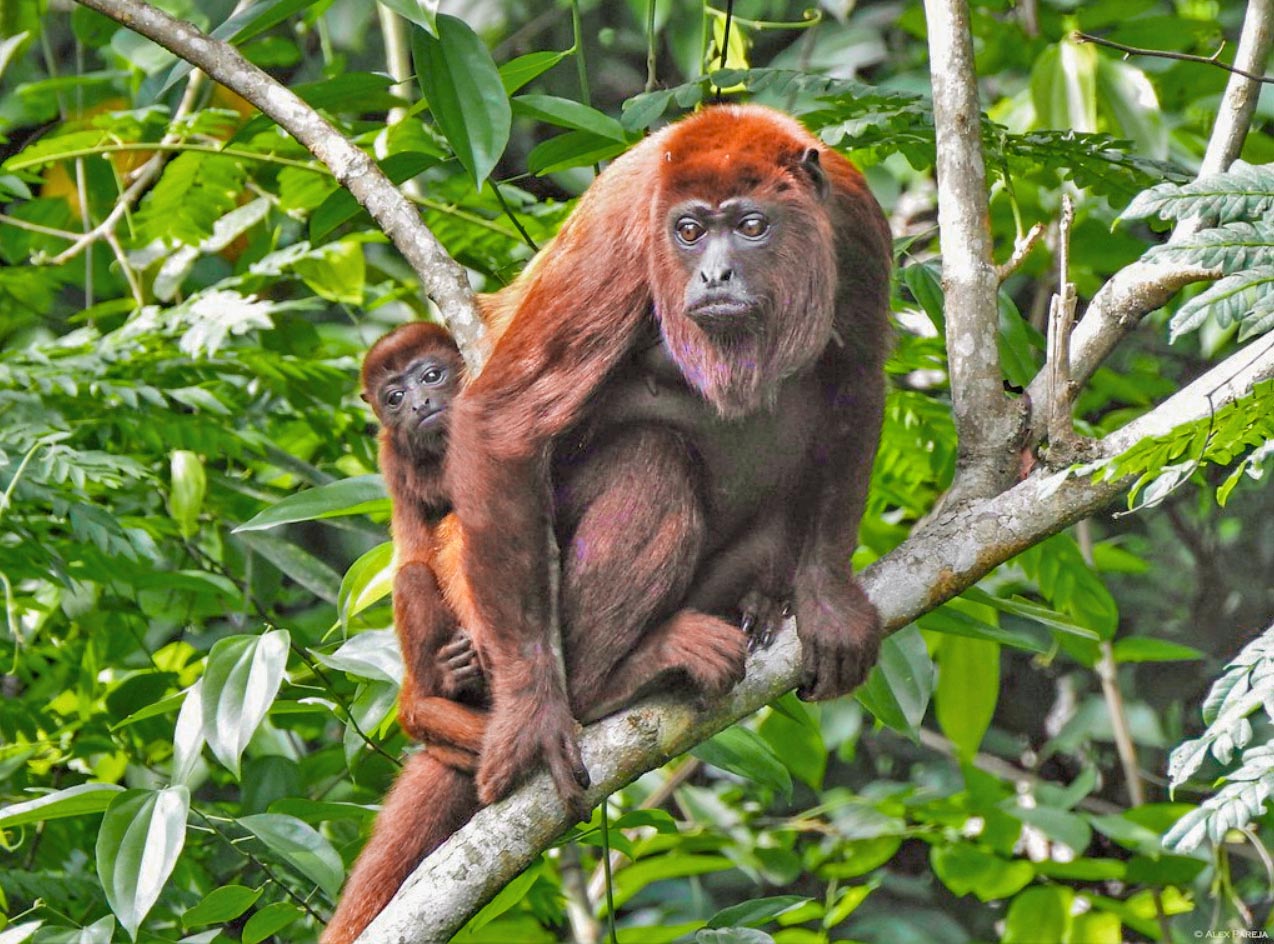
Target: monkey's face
x=413 y=403
x=723 y=252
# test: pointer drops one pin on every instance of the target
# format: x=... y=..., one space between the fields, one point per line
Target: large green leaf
x=742 y=751
x=968 y=688
x=301 y=846
x=465 y=94
x=141 y=837
x=239 y=684
x=362 y=494
x=80 y=800
x=897 y=690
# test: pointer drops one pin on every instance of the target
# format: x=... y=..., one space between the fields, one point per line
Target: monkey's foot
x=840 y=633
x=711 y=652
x=524 y=733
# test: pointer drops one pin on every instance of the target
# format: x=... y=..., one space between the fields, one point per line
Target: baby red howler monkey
x=410 y=377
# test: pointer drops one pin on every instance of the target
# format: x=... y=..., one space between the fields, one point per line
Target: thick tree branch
x=440 y=276
x=986 y=421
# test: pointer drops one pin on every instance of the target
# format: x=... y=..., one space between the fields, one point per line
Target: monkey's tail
x=428 y=802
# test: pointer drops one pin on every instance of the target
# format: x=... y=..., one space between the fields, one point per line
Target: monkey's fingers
x=459 y=645
x=762 y=616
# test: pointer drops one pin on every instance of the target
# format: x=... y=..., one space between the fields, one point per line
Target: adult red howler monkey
x=690 y=387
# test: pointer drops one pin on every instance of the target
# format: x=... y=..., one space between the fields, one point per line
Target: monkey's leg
x=636 y=542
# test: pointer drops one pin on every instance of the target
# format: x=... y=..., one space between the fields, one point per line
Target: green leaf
x=573 y=149
x=369 y=580
x=362 y=494
x=755 y=912
x=141 y=837
x=732 y=936
x=517 y=72
x=569 y=114
x=337 y=274
x=796 y=740
x=1064 y=87
x=189 y=483
x=742 y=751
x=1040 y=914
x=923 y=282
x=424 y=13
x=221 y=905
x=634 y=878
x=1244 y=192
x=898 y=689
x=465 y=94
x=1061 y=826
x=241 y=679
x=269 y=921
x=508 y=896
x=188 y=737
x=301 y=846
x=81 y=800
x=1145 y=649
x=1096 y=927
x=953 y=621
x=297 y=564
x=966 y=869
x=372 y=654
x=968 y=688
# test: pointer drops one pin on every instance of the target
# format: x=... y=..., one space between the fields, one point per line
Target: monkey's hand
x=839 y=629
x=525 y=732
x=460 y=669
x=760 y=617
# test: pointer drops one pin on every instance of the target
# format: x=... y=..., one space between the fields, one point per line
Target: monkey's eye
x=433 y=376
x=689 y=230
x=754 y=227
x=394 y=398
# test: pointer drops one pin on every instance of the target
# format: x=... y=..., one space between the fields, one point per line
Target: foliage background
x=194 y=369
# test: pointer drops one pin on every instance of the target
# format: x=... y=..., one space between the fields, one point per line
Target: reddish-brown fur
x=645 y=508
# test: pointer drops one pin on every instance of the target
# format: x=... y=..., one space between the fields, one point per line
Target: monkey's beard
x=731 y=362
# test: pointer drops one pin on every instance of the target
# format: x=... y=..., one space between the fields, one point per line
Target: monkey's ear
x=812 y=166
x=364 y=397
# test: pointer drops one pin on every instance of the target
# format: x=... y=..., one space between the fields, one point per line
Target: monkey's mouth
x=725 y=316
x=432 y=418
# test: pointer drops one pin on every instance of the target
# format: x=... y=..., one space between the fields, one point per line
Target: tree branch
x=986 y=421
x=440 y=276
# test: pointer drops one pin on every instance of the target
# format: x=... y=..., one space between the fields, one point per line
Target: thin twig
x=1211 y=60
x=1021 y=249
x=651 y=81
x=585 y=928
x=658 y=797
x=1108 y=673
x=1061 y=320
